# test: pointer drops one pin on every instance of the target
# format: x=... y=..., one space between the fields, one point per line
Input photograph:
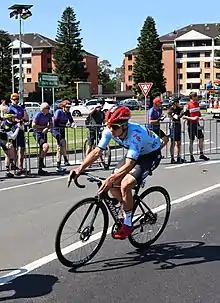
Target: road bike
x=99 y=208
x=105 y=158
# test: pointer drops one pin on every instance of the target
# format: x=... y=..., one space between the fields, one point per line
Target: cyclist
x=9 y=132
x=42 y=122
x=94 y=121
x=61 y=118
x=143 y=155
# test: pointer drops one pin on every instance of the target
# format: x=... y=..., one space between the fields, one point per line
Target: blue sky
x=109 y=28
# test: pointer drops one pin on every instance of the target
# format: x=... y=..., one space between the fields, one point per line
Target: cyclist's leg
x=116 y=192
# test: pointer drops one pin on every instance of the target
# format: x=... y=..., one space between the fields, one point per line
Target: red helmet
x=117 y=114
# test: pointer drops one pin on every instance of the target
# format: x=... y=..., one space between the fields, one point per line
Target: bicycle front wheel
x=90 y=218
x=150 y=217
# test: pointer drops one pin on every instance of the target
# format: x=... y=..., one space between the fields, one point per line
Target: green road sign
x=48 y=80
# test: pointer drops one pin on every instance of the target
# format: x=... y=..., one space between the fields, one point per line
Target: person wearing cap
x=42 y=122
x=94 y=121
x=192 y=115
x=61 y=117
x=155 y=115
x=21 y=116
x=8 y=132
x=175 y=113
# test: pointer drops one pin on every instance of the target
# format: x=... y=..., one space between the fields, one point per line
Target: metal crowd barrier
x=76 y=137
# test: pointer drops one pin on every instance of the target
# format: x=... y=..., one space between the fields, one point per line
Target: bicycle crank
x=86 y=233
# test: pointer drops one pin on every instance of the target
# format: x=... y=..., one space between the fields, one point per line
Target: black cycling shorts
x=40 y=138
x=144 y=164
x=175 y=132
x=194 y=130
x=160 y=133
x=20 y=140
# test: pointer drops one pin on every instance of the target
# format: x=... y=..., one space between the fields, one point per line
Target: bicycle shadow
x=166 y=256
x=28 y=286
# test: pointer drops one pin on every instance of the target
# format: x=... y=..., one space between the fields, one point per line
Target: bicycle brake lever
x=73 y=174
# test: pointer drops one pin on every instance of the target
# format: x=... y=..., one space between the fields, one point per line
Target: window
x=130 y=78
x=179 y=76
x=179 y=65
x=29 y=79
x=26 y=50
x=179 y=87
x=193 y=64
x=207 y=64
x=193 y=75
x=16 y=61
x=16 y=51
x=49 y=50
x=193 y=85
x=29 y=61
x=129 y=57
x=207 y=75
x=217 y=75
x=193 y=55
x=130 y=67
x=179 y=55
x=28 y=70
x=207 y=54
x=49 y=60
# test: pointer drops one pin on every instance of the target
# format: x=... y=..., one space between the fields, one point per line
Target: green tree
x=106 y=76
x=148 y=66
x=217 y=52
x=5 y=65
x=68 y=53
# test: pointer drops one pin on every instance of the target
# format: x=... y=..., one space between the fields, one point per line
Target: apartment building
x=37 y=56
x=188 y=56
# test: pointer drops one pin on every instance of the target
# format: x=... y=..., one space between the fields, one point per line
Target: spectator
x=61 y=118
x=42 y=122
x=175 y=113
x=155 y=115
x=94 y=121
x=192 y=115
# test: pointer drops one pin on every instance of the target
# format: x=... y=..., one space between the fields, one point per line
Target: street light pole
x=20 y=65
x=21 y=11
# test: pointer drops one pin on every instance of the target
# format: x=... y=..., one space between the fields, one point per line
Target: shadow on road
x=27 y=286
x=166 y=255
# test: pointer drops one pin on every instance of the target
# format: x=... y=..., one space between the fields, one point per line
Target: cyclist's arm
x=152 y=119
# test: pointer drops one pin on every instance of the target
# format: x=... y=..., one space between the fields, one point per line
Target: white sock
x=128 y=218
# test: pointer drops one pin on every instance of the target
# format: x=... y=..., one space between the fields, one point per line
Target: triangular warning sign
x=145 y=87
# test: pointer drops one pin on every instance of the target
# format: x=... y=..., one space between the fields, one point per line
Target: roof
x=39 y=41
x=208 y=29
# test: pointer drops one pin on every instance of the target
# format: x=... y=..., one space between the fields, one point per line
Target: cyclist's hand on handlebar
x=74 y=174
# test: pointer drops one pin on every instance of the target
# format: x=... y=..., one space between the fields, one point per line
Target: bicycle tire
x=58 y=249
x=148 y=191
x=103 y=164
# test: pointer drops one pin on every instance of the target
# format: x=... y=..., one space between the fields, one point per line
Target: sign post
x=48 y=80
x=145 y=88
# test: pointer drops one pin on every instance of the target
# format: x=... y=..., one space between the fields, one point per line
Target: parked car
x=166 y=104
x=184 y=101
x=85 y=109
x=132 y=104
x=204 y=104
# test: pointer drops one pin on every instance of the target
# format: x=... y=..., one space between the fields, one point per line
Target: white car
x=81 y=110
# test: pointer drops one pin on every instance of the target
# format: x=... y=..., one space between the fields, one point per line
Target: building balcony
x=17 y=56
x=193 y=80
x=194 y=48
x=193 y=70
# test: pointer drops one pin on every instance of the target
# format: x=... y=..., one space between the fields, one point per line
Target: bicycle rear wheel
x=85 y=232
x=145 y=216
x=105 y=158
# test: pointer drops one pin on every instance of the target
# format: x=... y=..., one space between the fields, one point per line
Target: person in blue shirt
x=21 y=116
x=42 y=122
x=155 y=115
x=61 y=118
x=143 y=155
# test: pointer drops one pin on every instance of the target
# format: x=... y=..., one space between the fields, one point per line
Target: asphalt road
x=183 y=266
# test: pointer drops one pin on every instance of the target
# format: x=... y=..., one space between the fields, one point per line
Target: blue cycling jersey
x=139 y=140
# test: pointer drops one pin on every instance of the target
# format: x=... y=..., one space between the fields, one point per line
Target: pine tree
x=68 y=53
x=148 y=66
x=5 y=65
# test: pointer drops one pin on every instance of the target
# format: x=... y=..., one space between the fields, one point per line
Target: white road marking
x=31 y=183
x=210 y=162
x=51 y=257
